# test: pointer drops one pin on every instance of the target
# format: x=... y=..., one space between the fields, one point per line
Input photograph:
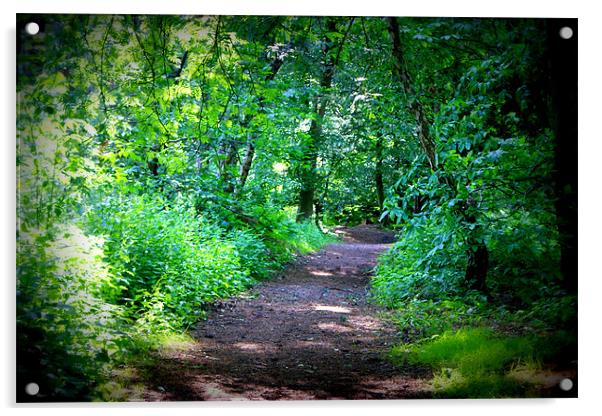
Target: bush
x=167 y=262
x=255 y=257
x=558 y=311
x=427 y=263
x=306 y=237
x=424 y=318
x=284 y=237
x=135 y=271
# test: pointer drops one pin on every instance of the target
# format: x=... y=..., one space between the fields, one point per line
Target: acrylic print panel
x=295 y=208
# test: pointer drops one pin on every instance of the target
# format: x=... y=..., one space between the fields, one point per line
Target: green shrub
x=284 y=236
x=255 y=257
x=167 y=262
x=419 y=318
x=524 y=252
x=144 y=270
x=558 y=311
x=427 y=263
x=307 y=237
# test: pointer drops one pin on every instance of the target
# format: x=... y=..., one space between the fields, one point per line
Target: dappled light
x=336 y=309
x=320 y=273
x=366 y=323
x=333 y=326
x=306 y=326
x=252 y=347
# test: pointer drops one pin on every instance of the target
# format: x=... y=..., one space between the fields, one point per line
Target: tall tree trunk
x=562 y=61
x=378 y=178
x=477 y=253
x=247 y=162
x=308 y=165
x=228 y=166
x=245 y=167
x=401 y=71
x=378 y=174
x=309 y=161
x=476 y=269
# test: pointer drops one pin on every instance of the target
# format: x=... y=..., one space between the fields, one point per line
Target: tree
x=477 y=253
x=319 y=104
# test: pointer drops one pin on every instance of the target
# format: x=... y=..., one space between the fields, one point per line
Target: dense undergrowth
x=131 y=275
x=496 y=344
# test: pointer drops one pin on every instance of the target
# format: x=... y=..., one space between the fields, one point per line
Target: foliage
x=66 y=327
x=166 y=260
x=418 y=319
x=491 y=191
x=555 y=311
x=306 y=237
x=427 y=264
x=492 y=187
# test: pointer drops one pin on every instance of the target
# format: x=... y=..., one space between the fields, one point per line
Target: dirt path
x=309 y=334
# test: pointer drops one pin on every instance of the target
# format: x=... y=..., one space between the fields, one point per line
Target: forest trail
x=308 y=334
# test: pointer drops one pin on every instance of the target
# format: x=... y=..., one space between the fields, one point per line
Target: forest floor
x=309 y=333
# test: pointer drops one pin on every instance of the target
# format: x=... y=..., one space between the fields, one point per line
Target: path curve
x=308 y=334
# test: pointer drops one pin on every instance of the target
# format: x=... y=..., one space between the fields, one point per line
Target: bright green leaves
x=170 y=256
x=54 y=84
x=174 y=159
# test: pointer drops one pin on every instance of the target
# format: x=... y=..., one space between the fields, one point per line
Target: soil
x=310 y=333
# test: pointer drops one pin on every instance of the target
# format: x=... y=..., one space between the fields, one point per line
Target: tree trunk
x=378 y=174
x=309 y=161
x=245 y=167
x=153 y=166
x=308 y=169
x=378 y=178
x=306 y=204
x=476 y=269
x=228 y=165
x=401 y=71
x=477 y=253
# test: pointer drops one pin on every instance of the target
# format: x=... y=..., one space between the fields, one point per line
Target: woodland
x=167 y=165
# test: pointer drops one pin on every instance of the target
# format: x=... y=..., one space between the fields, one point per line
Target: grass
x=479 y=363
x=128 y=381
x=308 y=238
